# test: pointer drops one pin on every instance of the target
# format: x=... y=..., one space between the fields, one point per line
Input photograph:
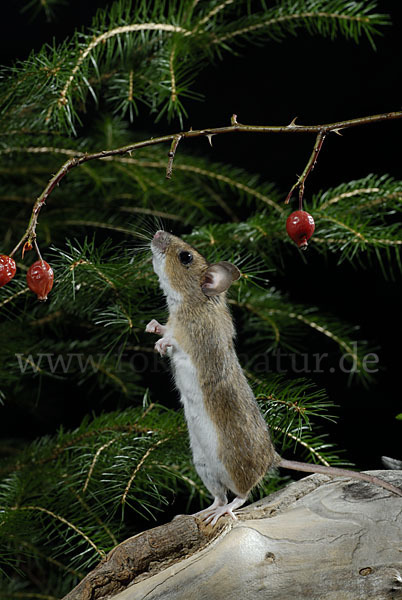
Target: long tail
x=336 y=472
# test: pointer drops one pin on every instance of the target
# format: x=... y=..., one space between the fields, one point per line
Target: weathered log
x=317 y=539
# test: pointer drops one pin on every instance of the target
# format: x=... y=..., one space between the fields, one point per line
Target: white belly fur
x=202 y=432
x=201 y=429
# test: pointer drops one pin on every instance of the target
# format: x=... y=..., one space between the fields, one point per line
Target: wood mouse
x=229 y=438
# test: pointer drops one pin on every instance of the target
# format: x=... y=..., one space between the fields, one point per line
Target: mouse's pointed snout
x=161 y=240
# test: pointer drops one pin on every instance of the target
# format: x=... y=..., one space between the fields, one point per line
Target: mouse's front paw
x=162 y=345
x=155 y=327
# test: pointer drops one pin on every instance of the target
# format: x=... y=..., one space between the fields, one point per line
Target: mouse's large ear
x=219 y=277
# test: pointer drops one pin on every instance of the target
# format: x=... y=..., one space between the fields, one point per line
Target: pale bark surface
x=317 y=539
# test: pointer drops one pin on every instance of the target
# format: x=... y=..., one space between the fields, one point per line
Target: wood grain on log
x=317 y=539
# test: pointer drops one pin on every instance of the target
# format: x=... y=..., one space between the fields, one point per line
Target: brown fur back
x=245 y=447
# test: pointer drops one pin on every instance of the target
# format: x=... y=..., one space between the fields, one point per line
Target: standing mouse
x=229 y=438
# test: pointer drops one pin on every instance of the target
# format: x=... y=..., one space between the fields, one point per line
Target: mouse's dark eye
x=185 y=257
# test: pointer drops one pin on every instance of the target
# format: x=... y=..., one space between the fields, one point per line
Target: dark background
x=319 y=81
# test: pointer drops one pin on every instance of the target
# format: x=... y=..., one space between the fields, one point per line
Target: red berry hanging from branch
x=40 y=278
x=7 y=269
x=300 y=227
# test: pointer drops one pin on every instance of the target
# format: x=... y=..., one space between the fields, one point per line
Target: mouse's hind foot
x=218 y=509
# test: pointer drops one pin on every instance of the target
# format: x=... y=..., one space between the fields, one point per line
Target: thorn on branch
x=293 y=122
x=171 y=154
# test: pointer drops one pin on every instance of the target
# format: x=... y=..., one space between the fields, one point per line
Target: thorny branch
x=171 y=155
x=309 y=167
x=320 y=130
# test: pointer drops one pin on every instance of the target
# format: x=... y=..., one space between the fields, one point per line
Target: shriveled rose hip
x=7 y=269
x=40 y=279
x=300 y=227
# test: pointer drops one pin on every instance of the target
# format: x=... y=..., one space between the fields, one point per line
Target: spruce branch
x=277 y=319
x=291 y=408
x=59 y=518
x=150 y=53
x=316 y=16
x=235 y=127
x=101 y=225
x=314 y=324
x=212 y=13
x=13 y=296
x=98 y=452
x=229 y=177
x=35 y=551
x=300 y=441
x=138 y=467
x=101 y=39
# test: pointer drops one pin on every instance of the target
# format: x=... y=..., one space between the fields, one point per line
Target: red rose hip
x=7 y=269
x=300 y=227
x=40 y=279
